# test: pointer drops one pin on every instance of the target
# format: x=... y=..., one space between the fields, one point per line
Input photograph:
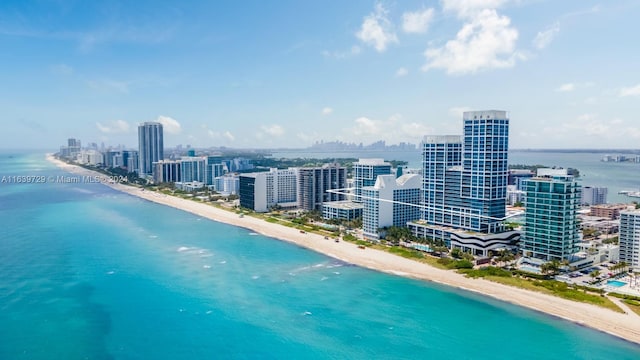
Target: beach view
x=310 y=181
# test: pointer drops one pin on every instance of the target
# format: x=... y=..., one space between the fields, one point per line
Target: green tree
x=550 y=267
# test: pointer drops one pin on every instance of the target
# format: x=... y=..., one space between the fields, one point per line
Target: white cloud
x=113 y=127
x=544 y=38
x=417 y=22
x=457 y=111
x=393 y=130
x=630 y=91
x=327 y=111
x=377 y=30
x=229 y=136
x=273 y=130
x=169 y=125
x=485 y=41
x=402 y=72
x=467 y=8
x=566 y=87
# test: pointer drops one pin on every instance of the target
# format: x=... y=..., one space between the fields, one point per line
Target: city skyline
x=256 y=75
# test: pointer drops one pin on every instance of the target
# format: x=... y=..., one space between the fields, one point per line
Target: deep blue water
x=87 y=272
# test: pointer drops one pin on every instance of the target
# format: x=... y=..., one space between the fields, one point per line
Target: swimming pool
x=616 y=283
x=530 y=269
x=422 y=247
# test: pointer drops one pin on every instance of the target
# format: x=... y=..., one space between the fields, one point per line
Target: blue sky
x=288 y=73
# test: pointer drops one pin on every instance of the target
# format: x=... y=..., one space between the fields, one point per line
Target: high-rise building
x=314 y=183
x=151 y=146
x=365 y=173
x=551 y=229
x=465 y=185
x=167 y=171
x=592 y=195
x=390 y=202
x=130 y=160
x=629 y=239
x=193 y=169
x=264 y=190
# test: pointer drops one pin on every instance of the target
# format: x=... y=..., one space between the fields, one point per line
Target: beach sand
x=626 y=326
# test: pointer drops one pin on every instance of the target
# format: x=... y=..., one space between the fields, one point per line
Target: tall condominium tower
x=630 y=238
x=464 y=185
x=390 y=202
x=551 y=230
x=151 y=146
x=365 y=173
x=313 y=183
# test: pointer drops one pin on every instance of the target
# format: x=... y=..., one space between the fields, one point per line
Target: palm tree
x=550 y=267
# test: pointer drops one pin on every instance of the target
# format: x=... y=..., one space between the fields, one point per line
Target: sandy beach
x=626 y=326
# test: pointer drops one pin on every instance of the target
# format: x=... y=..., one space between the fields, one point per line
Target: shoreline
x=622 y=325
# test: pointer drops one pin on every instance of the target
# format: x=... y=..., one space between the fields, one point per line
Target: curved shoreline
x=622 y=325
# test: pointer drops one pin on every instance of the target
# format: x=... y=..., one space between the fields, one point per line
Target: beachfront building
x=342 y=210
x=630 y=238
x=214 y=169
x=365 y=173
x=193 y=169
x=90 y=157
x=314 y=184
x=166 y=171
x=593 y=195
x=464 y=185
x=264 y=190
x=228 y=184
x=390 y=202
x=150 y=146
x=551 y=229
x=72 y=149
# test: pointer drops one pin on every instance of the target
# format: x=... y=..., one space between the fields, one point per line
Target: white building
x=90 y=157
x=630 y=238
x=390 y=202
x=514 y=195
x=193 y=169
x=263 y=190
x=594 y=195
x=227 y=184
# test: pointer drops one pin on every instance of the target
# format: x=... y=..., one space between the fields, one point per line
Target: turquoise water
x=87 y=272
x=616 y=283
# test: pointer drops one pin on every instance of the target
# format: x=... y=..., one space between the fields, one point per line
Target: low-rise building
x=342 y=210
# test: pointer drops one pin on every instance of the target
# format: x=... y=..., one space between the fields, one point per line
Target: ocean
x=593 y=172
x=90 y=273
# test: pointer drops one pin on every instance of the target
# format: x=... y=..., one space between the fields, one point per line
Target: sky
x=287 y=73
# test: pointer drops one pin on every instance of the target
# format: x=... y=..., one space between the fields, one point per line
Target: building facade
x=264 y=190
x=166 y=171
x=365 y=173
x=551 y=230
x=314 y=185
x=150 y=146
x=342 y=210
x=390 y=202
x=630 y=238
x=193 y=169
x=465 y=184
x=592 y=195
x=609 y=211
